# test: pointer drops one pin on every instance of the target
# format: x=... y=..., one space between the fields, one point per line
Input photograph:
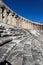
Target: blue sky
x=30 y=9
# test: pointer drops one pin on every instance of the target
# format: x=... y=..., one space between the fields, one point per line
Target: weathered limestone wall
x=8 y=17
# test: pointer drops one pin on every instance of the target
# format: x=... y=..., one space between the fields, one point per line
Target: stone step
x=24 y=39
x=5 y=35
x=5 y=51
x=27 y=49
x=16 y=56
x=1 y=31
x=3 y=42
x=27 y=56
x=37 y=52
x=28 y=60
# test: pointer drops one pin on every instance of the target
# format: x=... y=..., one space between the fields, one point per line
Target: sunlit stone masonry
x=9 y=17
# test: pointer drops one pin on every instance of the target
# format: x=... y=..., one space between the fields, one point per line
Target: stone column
x=20 y=20
x=17 y=22
x=9 y=18
x=0 y=14
x=5 y=16
x=14 y=20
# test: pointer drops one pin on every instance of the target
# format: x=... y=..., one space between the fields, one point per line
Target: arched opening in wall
x=3 y=7
x=13 y=14
x=8 y=11
x=16 y=16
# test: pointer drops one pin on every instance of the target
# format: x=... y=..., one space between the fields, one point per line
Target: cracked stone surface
x=24 y=48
